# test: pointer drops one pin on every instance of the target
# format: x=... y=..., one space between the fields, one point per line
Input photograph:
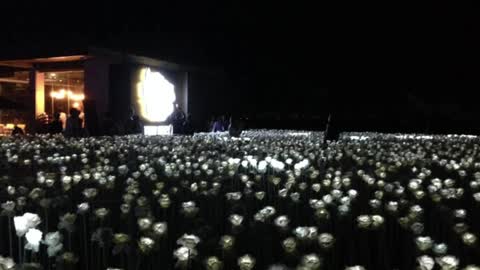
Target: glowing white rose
x=33 y=237
x=21 y=226
x=33 y=220
x=6 y=263
x=262 y=166
x=25 y=222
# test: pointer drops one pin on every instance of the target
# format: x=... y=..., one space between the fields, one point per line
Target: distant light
x=76 y=105
x=77 y=97
x=52 y=75
x=62 y=93
x=156 y=96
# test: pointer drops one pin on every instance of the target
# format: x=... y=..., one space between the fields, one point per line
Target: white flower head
x=33 y=220
x=282 y=222
x=52 y=238
x=364 y=221
x=246 y=262
x=236 y=220
x=6 y=263
x=33 y=237
x=83 y=208
x=355 y=267
x=53 y=241
x=268 y=211
x=25 y=222
x=189 y=208
x=303 y=233
x=311 y=261
x=235 y=196
x=159 y=228
x=188 y=240
x=326 y=240
x=424 y=243
x=8 y=208
x=425 y=262
x=144 y=223
x=262 y=166
x=469 y=239
x=184 y=254
x=447 y=262
x=146 y=244
x=440 y=249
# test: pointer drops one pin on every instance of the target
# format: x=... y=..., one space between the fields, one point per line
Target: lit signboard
x=158 y=130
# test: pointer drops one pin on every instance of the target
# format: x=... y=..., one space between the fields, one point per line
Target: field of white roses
x=267 y=200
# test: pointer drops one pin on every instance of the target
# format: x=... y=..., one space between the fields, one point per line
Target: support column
x=39 y=93
x=31 y=106
x=96 y=93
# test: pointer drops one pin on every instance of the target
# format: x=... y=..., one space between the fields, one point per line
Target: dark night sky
x=286 y=57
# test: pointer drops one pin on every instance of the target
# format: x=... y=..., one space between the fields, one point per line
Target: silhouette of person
x=74 y=124
x=42 y=124
x=109 y=126
x=133 y=124
x=177 y=119
x=188 y=126
x=218 y=125
x=16 y=129
x=56 y=126
x=234 y=128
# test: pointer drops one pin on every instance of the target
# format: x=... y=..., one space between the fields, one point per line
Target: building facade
x=98 y=82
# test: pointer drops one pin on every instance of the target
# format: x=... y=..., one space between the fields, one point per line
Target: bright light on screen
x=156 y=96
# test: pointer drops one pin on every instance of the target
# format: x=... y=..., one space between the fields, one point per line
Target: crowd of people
x=181 y=123
x=234 y=126
x=267 y=200
x=73 y=124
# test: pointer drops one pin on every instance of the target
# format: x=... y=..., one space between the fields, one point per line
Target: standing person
x=56 y=126
x=234 y=128
x=74 y=124
x=225 y=122
x=42 y=125
x=63 y=119
x=210 y=123
x=218 y=125
x=177 y=119
x=16 y=129
x=230 y=123
x=188 y=125
x=109 y=126
x=133 y=124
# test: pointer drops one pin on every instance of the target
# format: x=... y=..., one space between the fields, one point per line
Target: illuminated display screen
x=155 y=96
x=158 y=130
